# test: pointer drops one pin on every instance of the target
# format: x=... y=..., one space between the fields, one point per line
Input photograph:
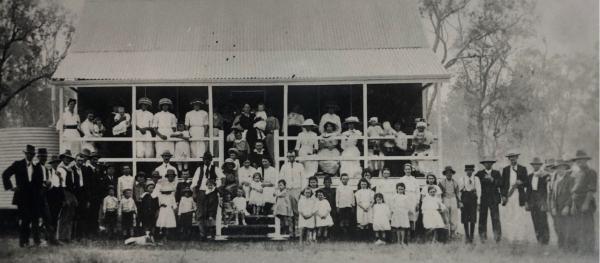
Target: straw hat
x=448 y=169
x=487 y=159
x=164 y=101
x=352 y=119
x=196 y=101
x=512 y=153
x=550 y=163
x=166 y=153
x=309 y=122
x=145 y=100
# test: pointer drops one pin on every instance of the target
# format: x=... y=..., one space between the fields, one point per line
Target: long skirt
x=144 y=149
x=310 y=167
x=197 y=147
x=162 y=146
x=73 y=146
x=352 y=168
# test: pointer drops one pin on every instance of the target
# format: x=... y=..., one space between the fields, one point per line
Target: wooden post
x=211 y=135
x=365 y=126
x=440 y=148
x=61 y=105
x=221 y=143
x=285 y=122
x=276 y=149
x=133 y=130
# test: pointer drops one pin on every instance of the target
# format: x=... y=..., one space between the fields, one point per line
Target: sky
x=569 y=26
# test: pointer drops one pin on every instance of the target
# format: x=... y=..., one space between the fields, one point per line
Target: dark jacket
x=539 y=197
x=522 y=176
x=28 y=192
x=491 y=188
x=560 y=196
x=148 y=211
x=207 y=205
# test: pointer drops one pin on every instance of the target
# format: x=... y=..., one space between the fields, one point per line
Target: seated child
x=283 y=207
x=110 y=206
x=227 y=209
x=256 y=200
x=122 y=121
x=98 y=128
x=186 y=209
x=239 y=206
x=127 y=212
x=241 y=144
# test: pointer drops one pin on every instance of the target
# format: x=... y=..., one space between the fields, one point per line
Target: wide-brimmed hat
x=512 y=153
x=469 y=167
x=164 y=101
x=229 y=160
x=86 y=152
x=373 y=120
x=167 y=174
x=581 y=155
x=196 y=101
x=54 y=159
x=448 y=169
x=207 y=154
x=309 y=122
x=487 y=159
x=536 y=161
x=550 y=163
x=66 y=154
x=421 y=124
x=145 y=100
x=166 y=153
x=29 y=149
x=42 y=152
x=563 y=162
x=352 y=119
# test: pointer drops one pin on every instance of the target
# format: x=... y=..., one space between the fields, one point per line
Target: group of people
x=76 y=197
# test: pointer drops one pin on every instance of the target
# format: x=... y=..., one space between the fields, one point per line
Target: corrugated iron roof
x=249 y=39
x=278 y=65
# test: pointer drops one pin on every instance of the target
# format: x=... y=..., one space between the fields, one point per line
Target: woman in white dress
x=516 y=221
x=348 y=143
x=69 y=125
x=307 y=144
x=164 y=124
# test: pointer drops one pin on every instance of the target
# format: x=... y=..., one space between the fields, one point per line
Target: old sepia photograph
x=299 y=131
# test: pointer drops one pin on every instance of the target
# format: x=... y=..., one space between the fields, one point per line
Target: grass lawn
x=287 y=252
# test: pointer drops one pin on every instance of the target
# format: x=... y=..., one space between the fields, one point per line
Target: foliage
x=34 y=37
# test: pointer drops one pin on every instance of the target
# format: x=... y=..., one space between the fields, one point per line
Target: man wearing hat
x=469 y=196
x=491 y=197
x=560 y=203
x=68 y=125
x=49 y=230
x=78 y=183
x=165 y=123
x=166 y=164
x=143 y=128
x=584 y=202
x=514 y=216
x=207 y=170
x=196 y=121
x=450 y=194
x=536 y=189
x=64 y=175
x=330 y=116
x=27 y=194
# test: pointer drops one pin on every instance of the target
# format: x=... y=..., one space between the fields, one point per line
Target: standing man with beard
x=27 y=195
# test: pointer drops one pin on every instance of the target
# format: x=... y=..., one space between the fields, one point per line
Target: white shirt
x=350 y=138
x=245 y=174
x=186 y=204
x=293 y=174
x=196 y=118
x=196 y=176
x=411 y=184
x=57 y=179
x=67 y=118
x=334 y=118
x=344 y=196
x=164 y=120
x=143 y=118
x=307 y=143
x=87 y=127
x=270 y=176
x=386 y=187
x=464 y=184
x=127 y=205
x=124 y=182
x=163 y=167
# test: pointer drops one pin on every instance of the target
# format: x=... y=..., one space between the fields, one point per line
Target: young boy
x=330 y=196
x=184 y=183
x=127 y=212
x=110 y=206
x=344 y=202
x=139 y=187
x=185 y=212
x=149 y=209
x=208 y=202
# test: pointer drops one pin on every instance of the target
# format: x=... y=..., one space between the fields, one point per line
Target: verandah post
x=133 y=131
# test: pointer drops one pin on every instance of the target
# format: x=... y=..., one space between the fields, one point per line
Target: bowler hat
x=536 y=161
x=66 y=154
x=512 y=153
x=166 y=153
x=207 y=154
x=581 y=155
x=448 y=169
x=29 y=149
x=42 y=152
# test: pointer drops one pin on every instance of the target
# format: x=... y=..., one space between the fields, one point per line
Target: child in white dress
x=381 y=219
x=400 y=206
x=433 y=215
x=306 y=220
x=166 y=220
x=239 y=206
x=364 y=203
x=122 y=120
x=323 y=219
x=256 y=199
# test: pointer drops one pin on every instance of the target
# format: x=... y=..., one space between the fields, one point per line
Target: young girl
x=400 y=207
x=306 y=219
x=186 y=209
x=166 y=220
x=283 y=207
x=110 y=205
x=260 y=111
x=240 y=143
x=432 y=209
x=182 y=147
x=256 y=199
x=381 y=219
x=431 y=180
x=323 y=218
x=364 y=203
x=313 y=183
x=127 y=212
x=239 y=206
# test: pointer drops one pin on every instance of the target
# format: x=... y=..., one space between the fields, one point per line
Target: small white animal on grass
x=142 y=241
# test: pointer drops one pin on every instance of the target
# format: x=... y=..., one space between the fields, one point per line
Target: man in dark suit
x=536 y=189
x=514 y=176
x=78 y=185
x=27 y=194
x=491 y=196
x=49 y=229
